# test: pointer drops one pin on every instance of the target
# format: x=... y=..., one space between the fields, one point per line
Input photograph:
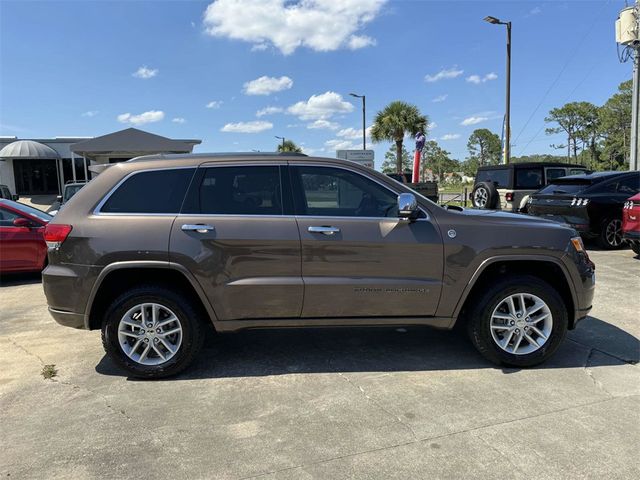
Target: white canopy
x=28 y=149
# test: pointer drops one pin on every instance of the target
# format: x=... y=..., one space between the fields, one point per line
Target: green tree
x=289 y=146
x=395 y=121
x=615 y=127
x=485 y=145
x=438 y=160
x=577 y=120
x=390 y=162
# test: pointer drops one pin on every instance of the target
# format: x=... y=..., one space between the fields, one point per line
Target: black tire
x=636 y=248
x=479 y=318
x=484 y=195
x=608 y=239
x=188 y=316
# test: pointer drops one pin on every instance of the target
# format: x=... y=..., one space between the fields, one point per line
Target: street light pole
x=364 y=119
x=280 y=138
x=507 y=115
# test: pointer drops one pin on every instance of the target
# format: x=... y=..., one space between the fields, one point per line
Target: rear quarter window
x=497 y=176
x=528 y=178
x=158 y=191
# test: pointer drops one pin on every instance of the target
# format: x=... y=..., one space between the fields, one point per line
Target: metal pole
x=364 y=124
x=507 y=147
x=635 y=100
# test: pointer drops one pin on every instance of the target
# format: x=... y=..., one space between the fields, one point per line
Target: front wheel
x=611 y=234
x=152 y=332
x=520 y=321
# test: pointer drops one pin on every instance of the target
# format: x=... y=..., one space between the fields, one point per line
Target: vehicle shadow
x=382 y=349
x=16 y=279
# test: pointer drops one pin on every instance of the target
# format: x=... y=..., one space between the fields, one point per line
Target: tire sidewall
x=480 y=324
x=491 y=195
x=190 y=333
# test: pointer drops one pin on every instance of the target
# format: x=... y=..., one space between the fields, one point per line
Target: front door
x=234 y=236
x=358 y=258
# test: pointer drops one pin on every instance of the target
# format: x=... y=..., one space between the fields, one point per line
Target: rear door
x=237 y=234
x=358 y=258
x=19 y=246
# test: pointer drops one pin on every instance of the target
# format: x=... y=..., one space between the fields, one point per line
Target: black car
x=591 y=203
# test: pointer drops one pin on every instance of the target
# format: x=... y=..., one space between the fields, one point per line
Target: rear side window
x=561 y=187
x=498 y=176
x=158 y=191
x=553 y=173
x=251 y=190
x=529 y=178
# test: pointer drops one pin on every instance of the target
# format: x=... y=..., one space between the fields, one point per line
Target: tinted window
x=606 y=187
x=340 y=193
x=241 y=191
x=70 y=191
x=577 y=171
x=499 y=176
x=159 y=191
x=7 y=217
x=558 y=187
x=553 y=173
x=5 y=193
x=629 y=185
x=529 y=178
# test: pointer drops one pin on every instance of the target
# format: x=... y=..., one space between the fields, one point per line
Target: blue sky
x=189 y=69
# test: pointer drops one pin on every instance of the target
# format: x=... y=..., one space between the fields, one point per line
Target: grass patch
x=49 y=371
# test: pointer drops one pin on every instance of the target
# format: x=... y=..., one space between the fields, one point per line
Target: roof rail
x=215 y=155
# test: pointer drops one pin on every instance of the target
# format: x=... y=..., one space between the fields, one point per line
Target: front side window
x=7 y=217
x=528 y=178
x=335 y=192
x=157 y=191
x=251 y=190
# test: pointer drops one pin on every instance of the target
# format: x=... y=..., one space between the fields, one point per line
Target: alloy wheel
x=480 y=197
x=521 y=323
x=150 y=334
x=613 y=233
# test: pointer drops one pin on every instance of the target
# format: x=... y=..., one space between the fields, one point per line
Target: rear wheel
x=520 y=321
x=152 y=332
x=611 y=234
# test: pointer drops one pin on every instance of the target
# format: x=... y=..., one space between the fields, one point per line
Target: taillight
x=56 y=234
x=509 y=196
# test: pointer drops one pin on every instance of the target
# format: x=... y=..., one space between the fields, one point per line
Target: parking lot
x=332 y=403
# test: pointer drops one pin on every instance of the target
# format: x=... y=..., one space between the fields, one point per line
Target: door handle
x=324 y=230
x=197 y=227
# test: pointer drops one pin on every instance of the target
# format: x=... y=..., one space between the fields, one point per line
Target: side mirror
x=22 y=222
x=59 y=198
x=407 y=206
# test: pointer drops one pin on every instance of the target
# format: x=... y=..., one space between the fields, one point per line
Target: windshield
x=565 y=187
x=34 y=212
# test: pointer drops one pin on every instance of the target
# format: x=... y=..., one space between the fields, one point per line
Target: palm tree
x=394 y=121
x=289 y=146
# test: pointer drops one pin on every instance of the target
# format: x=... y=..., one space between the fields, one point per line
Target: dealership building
x=41 y=166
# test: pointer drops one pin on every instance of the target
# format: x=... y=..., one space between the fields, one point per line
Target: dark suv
x=155 y=249
x=507 y=187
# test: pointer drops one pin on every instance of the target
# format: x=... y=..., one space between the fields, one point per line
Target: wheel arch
x=118 y=277
x=548 y=269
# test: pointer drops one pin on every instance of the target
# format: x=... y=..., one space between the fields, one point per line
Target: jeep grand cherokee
x=156 y=249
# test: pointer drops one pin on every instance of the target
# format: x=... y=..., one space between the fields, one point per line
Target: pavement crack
x=25 y=350
x=595 y=349
x=589 y=373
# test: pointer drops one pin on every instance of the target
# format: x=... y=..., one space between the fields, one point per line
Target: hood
x=499 y=217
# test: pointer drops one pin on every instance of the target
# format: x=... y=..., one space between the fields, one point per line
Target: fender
x=149 y=264
x=507 y=258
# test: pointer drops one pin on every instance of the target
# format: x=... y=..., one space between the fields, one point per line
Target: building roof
x=28 y=149
x=132 y=141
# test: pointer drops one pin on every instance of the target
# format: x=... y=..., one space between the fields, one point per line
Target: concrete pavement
x=338 y=403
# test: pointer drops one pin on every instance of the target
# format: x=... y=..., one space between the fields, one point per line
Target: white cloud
x=259 y=47
x=443 y=74
x=321 y=25
x=90 y=113
x=320 y=107
x=214 y=104
x=340 y=144
x=473 y=120
x=440 y=98
x=247 y=127
x=268 y=111
x=267 y=85
x=450 y=136
x=145 y=72
x=324 y=124
x=147 y=117
x=535 y=11
x=353 y=133
x=178 y=120
x=477 y=79
x=432 y=125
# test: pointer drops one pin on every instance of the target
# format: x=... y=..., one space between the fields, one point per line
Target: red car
x=631 y=222
x=22 y=245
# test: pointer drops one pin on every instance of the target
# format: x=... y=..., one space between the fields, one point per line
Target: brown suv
x=155 y=249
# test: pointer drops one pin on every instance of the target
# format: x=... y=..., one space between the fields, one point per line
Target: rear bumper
x=631 y=236
x=576 y=217
x=68 y=319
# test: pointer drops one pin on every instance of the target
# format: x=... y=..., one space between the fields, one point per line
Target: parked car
x=6 y=193
x=69 y=190
x=631 y=223
x=591 y=203
x=507 y=187
x=22 y=245
x=156 y=249
x=426 y=189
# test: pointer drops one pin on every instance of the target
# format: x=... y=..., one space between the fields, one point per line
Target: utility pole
x=628 y=36
x=364 y=119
